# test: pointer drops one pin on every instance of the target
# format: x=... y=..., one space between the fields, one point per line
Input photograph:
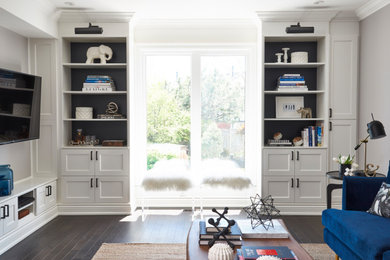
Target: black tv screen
x=20 y=106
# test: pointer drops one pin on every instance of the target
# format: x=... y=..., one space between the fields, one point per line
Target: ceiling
x=172 y=9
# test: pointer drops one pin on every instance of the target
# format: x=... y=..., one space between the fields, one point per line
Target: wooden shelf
x=93 y=147
x=94 y=38
x=95 y=65
x=294 y=147
x=95 y=93
x=274 y=92
x=26 y=206
x=94 y=120
x=11 y=115
x=294 y=119
x=293 y=65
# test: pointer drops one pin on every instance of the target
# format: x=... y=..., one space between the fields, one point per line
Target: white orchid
x=344 y=159
x=349 y=172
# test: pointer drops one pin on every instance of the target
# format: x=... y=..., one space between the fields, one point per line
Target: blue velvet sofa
x=352 y=233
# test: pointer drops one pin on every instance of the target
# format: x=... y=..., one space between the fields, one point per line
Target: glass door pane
x=223 y=113
x=168 y=80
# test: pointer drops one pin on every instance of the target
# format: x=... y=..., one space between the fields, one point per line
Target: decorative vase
x=221 y=251
x=342 y=169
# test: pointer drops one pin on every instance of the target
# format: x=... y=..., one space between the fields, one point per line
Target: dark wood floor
x=79 y=237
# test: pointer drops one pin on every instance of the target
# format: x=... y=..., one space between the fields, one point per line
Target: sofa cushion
x=365 y=234
x=381 y=204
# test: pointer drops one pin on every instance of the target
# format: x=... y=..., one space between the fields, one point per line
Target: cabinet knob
x=7 y=207
x=292 y=155
x=97 y=156
x=292 y=182
x=330 y=112
x=91 y=156
x=297 y=182
x=297 y=155
x=91 y=182
x=97 y=182
x=3 y=211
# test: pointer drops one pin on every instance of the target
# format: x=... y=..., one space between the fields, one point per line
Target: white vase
x=221 y=251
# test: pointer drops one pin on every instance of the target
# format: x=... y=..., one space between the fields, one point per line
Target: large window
x=196 y=106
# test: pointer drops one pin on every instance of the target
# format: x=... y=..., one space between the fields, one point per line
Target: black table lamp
x=375 y=130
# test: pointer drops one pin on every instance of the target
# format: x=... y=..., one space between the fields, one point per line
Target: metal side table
x=332 y=186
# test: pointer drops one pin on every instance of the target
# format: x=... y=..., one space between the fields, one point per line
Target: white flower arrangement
x=342 y=159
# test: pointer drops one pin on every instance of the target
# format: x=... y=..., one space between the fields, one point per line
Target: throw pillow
x=381 y=204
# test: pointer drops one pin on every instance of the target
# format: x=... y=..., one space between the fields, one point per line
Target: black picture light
x=299 y=29
x=91 y=29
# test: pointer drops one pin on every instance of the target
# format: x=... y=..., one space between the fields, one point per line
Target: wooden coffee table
x=196 y=252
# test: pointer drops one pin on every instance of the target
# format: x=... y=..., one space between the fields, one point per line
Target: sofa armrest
x=359 y=192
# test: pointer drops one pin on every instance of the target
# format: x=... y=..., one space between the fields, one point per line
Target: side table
x=332 y=186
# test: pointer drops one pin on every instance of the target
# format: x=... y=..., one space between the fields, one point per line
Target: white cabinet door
x=343 y=76
x=112 y=189
x=77 y=161
x=42 y=193
x=51 y=200
x=310 y=189
x=310 y=162
x=111 y=162
x=78 y=189
x=279 y=187
x=342 y=140
x=278 y=162
x=11 y=218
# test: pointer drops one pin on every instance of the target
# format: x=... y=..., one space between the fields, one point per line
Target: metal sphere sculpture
x=262 y=211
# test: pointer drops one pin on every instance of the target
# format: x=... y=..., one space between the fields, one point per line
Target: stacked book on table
x=97 y=83
x=292 y=82
x=207 y=232
x=253 y=252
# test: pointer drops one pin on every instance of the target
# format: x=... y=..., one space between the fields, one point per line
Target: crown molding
x=102 y=17
x=302 y=16
x=370 y=7
x=346 y=16
x=196 y=23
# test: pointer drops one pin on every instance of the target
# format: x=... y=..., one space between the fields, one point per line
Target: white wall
x=375 y=84
x=13 y=56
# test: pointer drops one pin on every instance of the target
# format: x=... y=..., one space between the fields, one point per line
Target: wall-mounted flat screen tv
x=20 y=106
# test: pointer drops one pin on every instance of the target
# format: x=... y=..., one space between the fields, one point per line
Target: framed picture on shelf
x=286 y=107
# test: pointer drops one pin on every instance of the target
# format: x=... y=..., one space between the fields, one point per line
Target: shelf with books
x=70 y=92
x=291 y=92
x=294 y=65
x=94 y=86
x=294 y=119
x=94 y=65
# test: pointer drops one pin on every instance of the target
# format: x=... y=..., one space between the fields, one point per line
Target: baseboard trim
x=20 y=233
x=94 y=210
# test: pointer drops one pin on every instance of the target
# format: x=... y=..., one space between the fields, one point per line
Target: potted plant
x=346 y=162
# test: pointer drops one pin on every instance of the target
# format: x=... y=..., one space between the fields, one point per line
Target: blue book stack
x=98 y=83
x=292 y=82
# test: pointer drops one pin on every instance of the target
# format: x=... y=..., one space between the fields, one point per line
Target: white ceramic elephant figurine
x=103 y=52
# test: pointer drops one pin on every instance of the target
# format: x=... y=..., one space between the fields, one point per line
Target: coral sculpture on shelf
x=221 y=232
x=262 y=211
x=221 y=251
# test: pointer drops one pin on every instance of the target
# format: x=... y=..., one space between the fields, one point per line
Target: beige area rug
x=319 y=251
x=141 y=251
x=178 y=251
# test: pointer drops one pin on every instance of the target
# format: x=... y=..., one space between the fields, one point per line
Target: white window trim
x=252 y=105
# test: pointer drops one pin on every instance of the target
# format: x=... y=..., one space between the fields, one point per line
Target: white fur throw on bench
x=168 y=175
